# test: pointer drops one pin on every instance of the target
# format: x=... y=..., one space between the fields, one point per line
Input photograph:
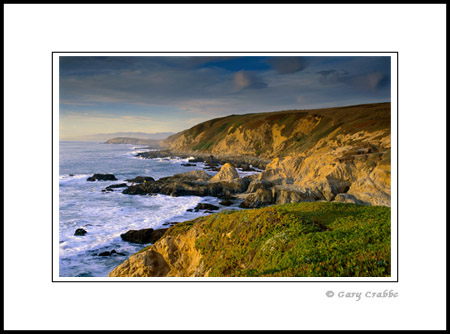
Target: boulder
x=194 y=183
x=205 y=206
x=144 y=236
x=258 y=184
x=295 y=194
x=141 y=189
x=80 y=232
x=117 y=253
x=141 y=179
x=102 y=177
x=347 y=198
x=114 y=186
x=106 y=253
x=226 y=173
x=260 y=198
x=195 y=175
x=195 y=160
x=226 y=202
x=234 y=186
x=284 y=196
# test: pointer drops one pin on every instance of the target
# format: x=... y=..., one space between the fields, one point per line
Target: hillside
x=136 y=141
x=140 y=135
x=300 y=240
x=278 y=134
x=314 y=153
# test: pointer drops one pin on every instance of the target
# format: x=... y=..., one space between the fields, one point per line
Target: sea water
x=106 y=215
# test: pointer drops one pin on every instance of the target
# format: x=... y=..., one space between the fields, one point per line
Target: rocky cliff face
x=332 y=167
x=173 y=255
x=316 y=154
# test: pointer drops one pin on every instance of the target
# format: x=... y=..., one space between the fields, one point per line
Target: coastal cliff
x=341 y=154
x=312 y=160
x=301 y=239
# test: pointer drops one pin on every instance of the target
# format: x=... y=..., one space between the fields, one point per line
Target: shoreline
x=236 y=160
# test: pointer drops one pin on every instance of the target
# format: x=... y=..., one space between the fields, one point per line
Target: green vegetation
x=203 y=146
x=303 y=239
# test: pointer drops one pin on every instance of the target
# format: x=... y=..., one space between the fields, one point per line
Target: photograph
x=225 y=167
x=235 y=165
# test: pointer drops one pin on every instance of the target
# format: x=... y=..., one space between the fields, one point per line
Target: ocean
x=106 y=215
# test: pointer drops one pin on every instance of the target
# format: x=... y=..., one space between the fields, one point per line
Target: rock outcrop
x=80 y=232
x=258 y=184
x=205 y=206
x=102 y=177
x=318 y=154
x=211 y=161
x=115 y=186
x=141 y=179
x=170 y=256
x=143 y=236
x=194 y=183
x=258 y=199
x=226 y=173
x=110 y=253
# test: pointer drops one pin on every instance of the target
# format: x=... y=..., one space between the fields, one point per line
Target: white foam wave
x=73 y=176
x=108 y=221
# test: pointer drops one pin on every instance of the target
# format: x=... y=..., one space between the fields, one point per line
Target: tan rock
x=226 y=173
x=174 y=256
x=258 y=184
x=147 y=263
x=326 y=151
x=195 y=175
x=257 y=199
x=347 y=198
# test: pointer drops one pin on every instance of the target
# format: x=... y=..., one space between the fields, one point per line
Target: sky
x=107 y=94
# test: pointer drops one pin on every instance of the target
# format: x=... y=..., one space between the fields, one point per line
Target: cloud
x=365 y=81
x=369 y=81
x=173 y=90
x=244 y=79
x=331 y=77
x=300 y=99
x=288 y=65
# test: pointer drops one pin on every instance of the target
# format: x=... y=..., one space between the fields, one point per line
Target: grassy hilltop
x=301 y=240
x=278 y=134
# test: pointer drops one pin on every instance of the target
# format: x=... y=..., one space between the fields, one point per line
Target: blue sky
x=160 y=94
